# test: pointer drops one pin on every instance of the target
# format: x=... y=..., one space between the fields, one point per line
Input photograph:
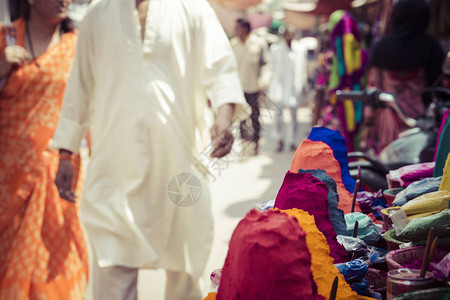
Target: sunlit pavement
x=246 y=181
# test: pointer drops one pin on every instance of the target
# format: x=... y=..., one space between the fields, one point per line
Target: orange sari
x=43 y=252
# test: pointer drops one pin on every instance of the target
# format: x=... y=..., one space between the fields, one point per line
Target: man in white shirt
x=254 y=72
x=289 y=82
x=140 y=79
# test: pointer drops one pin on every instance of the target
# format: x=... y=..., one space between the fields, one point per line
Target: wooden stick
x=334 y=288
x=355 y=229
x=355 y=193
x=430 y=255
x=427 y=251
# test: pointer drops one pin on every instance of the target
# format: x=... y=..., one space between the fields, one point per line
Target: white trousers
x=120 y=283
x=280 y=126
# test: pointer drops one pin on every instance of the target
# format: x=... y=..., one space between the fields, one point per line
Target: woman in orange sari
x=43 y=252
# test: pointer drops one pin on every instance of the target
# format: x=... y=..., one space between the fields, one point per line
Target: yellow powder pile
x=322 y=266
x=445 y=182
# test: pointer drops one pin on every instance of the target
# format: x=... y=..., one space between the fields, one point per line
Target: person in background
x=146 y=202
x=403 y=62
x=252 y=54
x=288 y=59
x=347 y=73
x=43 y=251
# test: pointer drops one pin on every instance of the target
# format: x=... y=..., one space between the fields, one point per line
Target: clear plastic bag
x=412 y=173
x=353 y=246
x=417 y=189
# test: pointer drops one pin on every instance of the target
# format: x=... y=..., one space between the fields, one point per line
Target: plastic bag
x=215 y=280
x=412 y=173
x=443 y=265
x=417 y=189
x=353 y=246
x=263 y=206
x=365 y=200
x=376 y=255
x=435 y=201
x=354 y=270
x=367 y=230
x=361 y=287
x=418 y=228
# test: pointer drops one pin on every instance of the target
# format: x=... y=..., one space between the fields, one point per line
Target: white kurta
x=145 y=103
x=289 y=73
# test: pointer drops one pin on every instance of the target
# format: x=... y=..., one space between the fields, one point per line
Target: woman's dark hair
x=244 y=23
x=21 y=8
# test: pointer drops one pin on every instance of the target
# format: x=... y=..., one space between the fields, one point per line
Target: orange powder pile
x=322 y=266
x=318 y=155
x=210 y=296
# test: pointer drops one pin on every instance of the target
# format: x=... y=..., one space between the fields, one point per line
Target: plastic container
x=403 y=281
x=431 y=294
x=397 y=259
x=389 y=195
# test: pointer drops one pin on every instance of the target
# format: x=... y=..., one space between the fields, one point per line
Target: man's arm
x=221 y=131
x=219 y=77
x=74 y=119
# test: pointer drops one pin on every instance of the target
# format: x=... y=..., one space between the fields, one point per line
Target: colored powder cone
x=336 y=141
x=318 y=155
x=268 y=259
x=306 y=192
x=322 y=266
x=336 y=215
x=445 y=182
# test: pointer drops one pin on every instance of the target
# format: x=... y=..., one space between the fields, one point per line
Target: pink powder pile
x=268 y=259
x=306 y=192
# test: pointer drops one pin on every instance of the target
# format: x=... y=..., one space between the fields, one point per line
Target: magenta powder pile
x=306 y=192
x=268 y=258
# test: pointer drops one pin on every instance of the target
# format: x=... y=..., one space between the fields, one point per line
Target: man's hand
x=63 y=180
x=14 y=56
x=221 y=131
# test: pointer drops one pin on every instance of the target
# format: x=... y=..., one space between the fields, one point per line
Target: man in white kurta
x=142 y=92
x=289 y=82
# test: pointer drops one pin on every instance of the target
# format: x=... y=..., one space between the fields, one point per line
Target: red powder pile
x=268 y=259
x=318 y=155
x=306 y=192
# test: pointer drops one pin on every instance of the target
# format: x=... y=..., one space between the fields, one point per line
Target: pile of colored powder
x=267 y=259
x=336 y=215
x=336 y=141
x=211 y=296
x=445 y=182
x=318 y=155
x=306 y=192
x=322 y=265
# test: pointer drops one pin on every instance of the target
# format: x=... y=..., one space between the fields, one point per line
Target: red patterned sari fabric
x=43 y=251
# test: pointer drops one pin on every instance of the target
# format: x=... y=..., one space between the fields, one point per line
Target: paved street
x=248 y=181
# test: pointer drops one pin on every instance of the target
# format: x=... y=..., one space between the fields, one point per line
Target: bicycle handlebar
x=375 y=99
